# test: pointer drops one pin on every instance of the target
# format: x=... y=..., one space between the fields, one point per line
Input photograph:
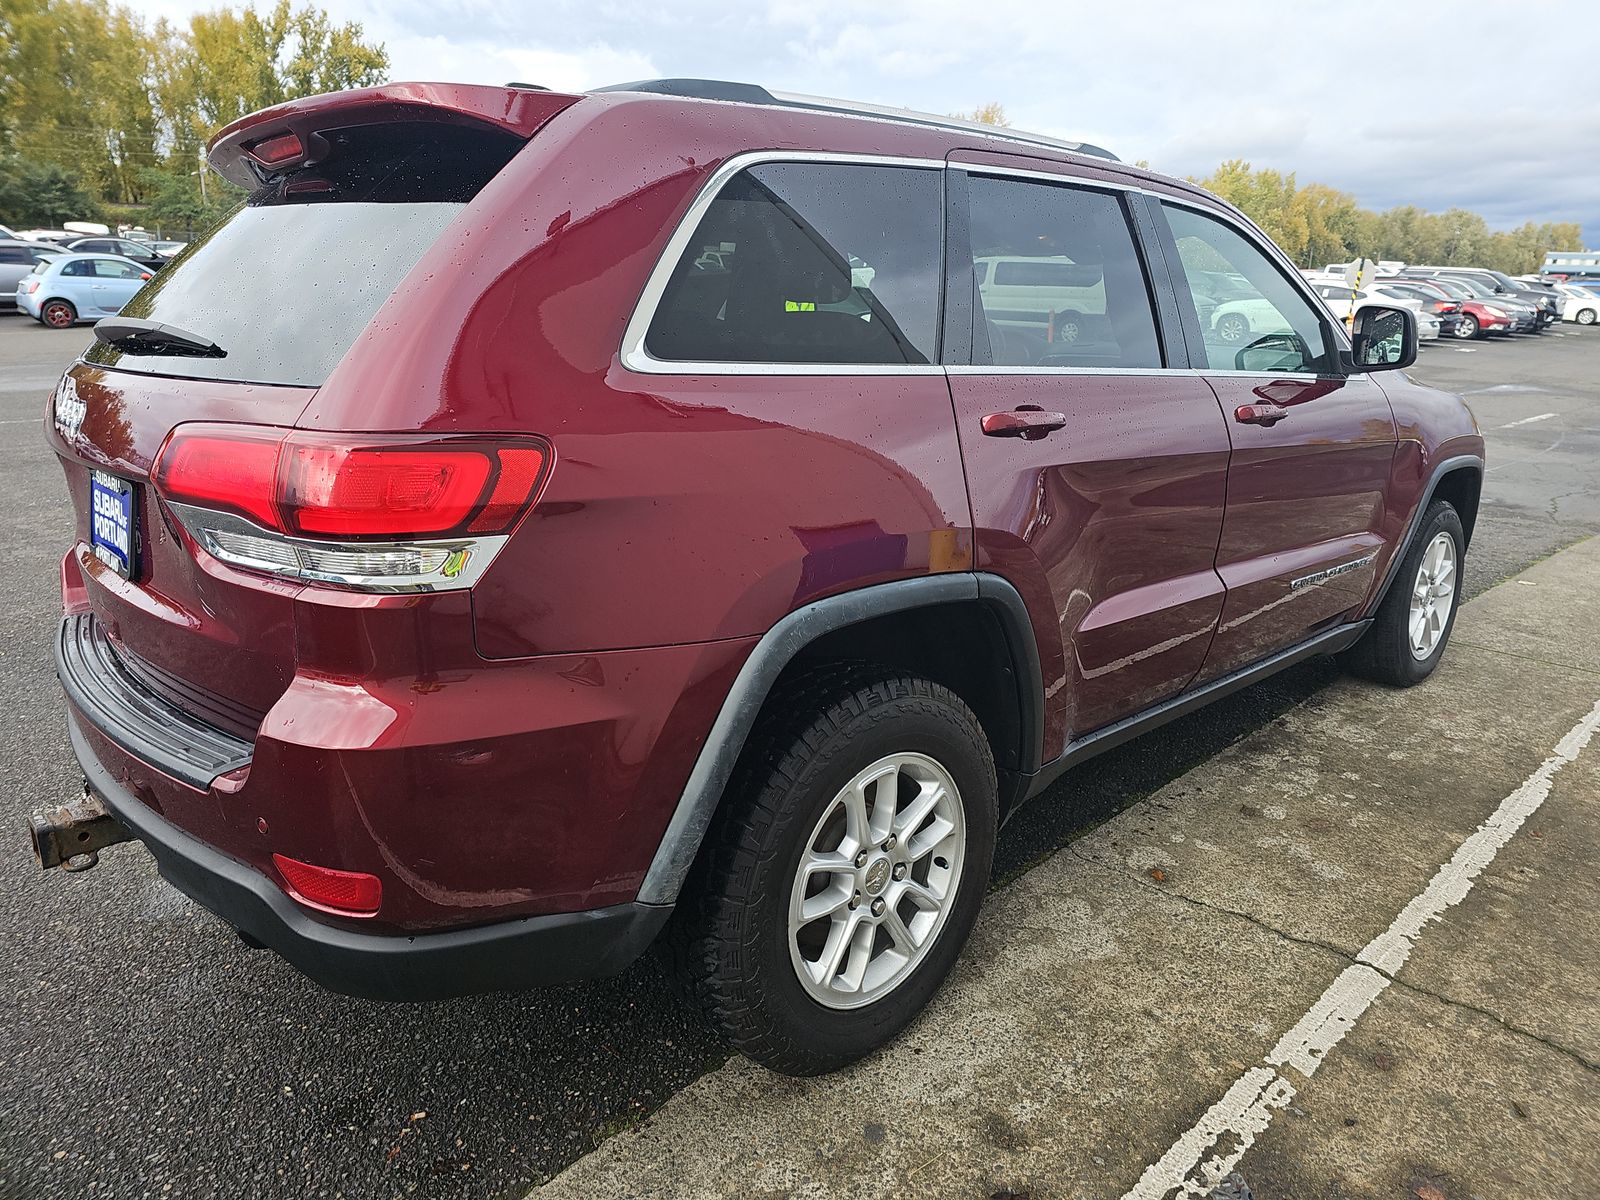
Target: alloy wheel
x=876 y=881
x=1432 y=596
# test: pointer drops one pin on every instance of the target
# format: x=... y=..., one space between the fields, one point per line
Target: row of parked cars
x=1459 y=302
x=60 y=277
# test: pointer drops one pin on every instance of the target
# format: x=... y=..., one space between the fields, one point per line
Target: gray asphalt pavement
x=145 y=1052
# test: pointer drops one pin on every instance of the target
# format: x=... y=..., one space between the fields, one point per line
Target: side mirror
x=1384 y=339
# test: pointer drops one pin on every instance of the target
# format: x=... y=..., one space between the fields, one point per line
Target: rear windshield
x=286 y=282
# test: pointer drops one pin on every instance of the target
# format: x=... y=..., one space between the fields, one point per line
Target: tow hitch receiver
x=73 y=835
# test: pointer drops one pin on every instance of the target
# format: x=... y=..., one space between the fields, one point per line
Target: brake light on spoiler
x=370 y=512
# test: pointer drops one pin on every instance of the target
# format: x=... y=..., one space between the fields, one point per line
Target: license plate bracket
x=113 y=522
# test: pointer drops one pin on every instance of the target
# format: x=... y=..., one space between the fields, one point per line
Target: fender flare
x=702 y=794
x=1440 y=470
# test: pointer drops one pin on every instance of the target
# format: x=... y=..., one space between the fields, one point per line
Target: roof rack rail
x=751 y=93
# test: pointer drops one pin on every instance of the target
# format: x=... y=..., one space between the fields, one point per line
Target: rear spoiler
x=286 y=137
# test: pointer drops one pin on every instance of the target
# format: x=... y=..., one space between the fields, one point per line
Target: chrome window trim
x=636 y=358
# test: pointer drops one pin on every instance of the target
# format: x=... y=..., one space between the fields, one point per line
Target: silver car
x=17 y=258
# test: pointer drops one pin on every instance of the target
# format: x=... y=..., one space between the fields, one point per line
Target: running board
x=1330 y=641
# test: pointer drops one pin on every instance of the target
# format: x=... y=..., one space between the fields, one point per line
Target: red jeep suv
x=537 y=526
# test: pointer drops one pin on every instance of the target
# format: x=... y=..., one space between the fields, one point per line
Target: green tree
x=991 y=113
x=123 y=108
x=33 y=193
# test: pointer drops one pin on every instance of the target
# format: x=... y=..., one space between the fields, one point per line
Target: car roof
x=74 y=255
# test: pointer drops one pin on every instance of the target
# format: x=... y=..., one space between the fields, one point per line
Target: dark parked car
x=1490 y=311
x=143 y=253
x=1546 y=308
x=1447 y=311
x=17 y=260
x=536 y=525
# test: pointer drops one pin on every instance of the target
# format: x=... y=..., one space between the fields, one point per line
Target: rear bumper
x=519 y=953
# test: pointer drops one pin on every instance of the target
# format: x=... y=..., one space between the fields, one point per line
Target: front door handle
x=1260 y=414
x=1030 y=423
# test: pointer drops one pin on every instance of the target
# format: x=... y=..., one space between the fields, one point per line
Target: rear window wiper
x=132 y=335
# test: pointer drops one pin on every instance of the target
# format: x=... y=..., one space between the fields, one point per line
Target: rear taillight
x=347 y=893
x=369 y=511
x=31 y=287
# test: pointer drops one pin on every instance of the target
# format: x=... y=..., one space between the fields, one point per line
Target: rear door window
x=286 y=283
x=809 y=263
x=1058 y=280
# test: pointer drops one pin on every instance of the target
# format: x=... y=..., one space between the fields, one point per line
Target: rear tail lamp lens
x=374 y=512
x=349 y=487
x=230 y=471
x=332 y=489
x=346 y=893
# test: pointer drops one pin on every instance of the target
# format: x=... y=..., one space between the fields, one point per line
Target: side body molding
x=791 y=635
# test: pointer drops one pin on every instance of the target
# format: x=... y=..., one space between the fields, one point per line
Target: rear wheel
x=840 y=884
x=58 y=314
x=1413 y=624
x=1468 y=328
x=1067 y=328
x=1587 y=316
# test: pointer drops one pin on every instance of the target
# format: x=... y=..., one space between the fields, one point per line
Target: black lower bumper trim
x=520 y=953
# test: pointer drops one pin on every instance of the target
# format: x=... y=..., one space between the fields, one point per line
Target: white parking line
x=1527 y=420
x=1200 y=1159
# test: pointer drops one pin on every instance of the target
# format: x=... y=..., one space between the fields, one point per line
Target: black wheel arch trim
x=778 y=647
x=1440 y=470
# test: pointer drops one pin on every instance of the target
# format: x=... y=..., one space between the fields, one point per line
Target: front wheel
x=1468 y=328
x=841 y=883
x=1587 y=316
x=1413 y=624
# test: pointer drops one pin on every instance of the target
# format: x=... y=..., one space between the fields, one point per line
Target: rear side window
x=287 y=282
x=809 y=263
x=79 y=266
x=110 y=268
x=1058 y=280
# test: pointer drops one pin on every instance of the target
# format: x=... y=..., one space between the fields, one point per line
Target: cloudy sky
x=1424 y=102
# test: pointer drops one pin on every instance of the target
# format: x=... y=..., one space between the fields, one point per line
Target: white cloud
x=1396 y=102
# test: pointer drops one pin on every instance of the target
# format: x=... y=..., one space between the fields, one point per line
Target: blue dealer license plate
x=111 y=521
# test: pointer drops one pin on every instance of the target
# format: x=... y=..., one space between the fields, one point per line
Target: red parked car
x=1476 y=318
x=536 y=526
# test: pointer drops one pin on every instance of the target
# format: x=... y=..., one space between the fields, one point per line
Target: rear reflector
x=347 y=893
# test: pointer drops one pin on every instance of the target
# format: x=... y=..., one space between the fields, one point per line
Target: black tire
x=1384 y=654
x=1587 y=316
x=58 y=314
x=730 y=939
x=1468 y=328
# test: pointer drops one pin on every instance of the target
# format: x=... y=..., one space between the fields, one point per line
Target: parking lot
x=1219 y=878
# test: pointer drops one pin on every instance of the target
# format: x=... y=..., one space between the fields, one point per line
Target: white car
x=1579 y=304
x=1338 y=297
x=1051 y=297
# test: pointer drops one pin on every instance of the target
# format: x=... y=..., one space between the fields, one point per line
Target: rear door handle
x=1260 y=414
x=1027 y=423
